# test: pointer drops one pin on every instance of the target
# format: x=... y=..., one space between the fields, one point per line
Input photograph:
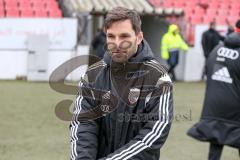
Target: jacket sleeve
x=183 y=45
x=164 y=48
x=204 y=45
x=154 y=133
x=83 y=134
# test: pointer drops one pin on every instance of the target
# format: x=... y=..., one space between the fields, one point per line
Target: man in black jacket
x=124 y=108
x=220 y=119
x=210 y=39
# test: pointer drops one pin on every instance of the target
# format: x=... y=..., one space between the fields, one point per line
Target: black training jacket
x=123 y=110
x=220 y=119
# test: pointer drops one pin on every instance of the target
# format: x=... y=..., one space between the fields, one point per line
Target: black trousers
x=204 y=72
x=215 y=151
x=172 y=62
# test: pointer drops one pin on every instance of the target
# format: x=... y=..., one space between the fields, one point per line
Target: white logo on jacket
x=222 y=75
x=227 y=53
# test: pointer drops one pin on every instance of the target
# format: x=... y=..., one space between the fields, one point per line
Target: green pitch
x=30 y=130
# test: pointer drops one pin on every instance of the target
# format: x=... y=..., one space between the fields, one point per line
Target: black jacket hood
x=232 y=41
x=144 y=53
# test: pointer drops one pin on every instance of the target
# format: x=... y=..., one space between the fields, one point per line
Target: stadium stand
x=203 y=8
x=202 y=11
x=30 y=8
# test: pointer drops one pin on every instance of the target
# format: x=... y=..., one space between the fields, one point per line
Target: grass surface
x=30 y=130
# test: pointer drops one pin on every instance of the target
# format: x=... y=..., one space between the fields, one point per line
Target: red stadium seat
x=9 y=2
x=10 y=8
x=214 y=4
x=234 y=12
x=20 y=1
x=234 y=2
x=188 y=11
x=40 y=13
x=168 y=4
x=191 y=3
x=211 y=12
x=11 y=5
x=31 y=8
x=232 y=19
x=179 y=4
x=38 y=5
x=221 y=20
x=27 y=12
x=188 y=18
x=25 y=4
x=12 y=13
x=196 y=19
x=199 y=11
x=224 y=6
x=225 y=1
x=1 y=5
x=208 y=19
x=36 y=1
x=222 y=12
x=2 y=12
x=235 y=5
x=55 y=13
x=52 y=5
x=204 y=1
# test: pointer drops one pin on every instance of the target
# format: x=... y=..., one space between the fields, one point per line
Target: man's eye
x=125 y=36
x=110 y=36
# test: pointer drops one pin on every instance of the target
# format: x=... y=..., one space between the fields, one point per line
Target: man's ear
x=139 y=37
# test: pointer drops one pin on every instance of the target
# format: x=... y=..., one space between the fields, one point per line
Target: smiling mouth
x=119 y=52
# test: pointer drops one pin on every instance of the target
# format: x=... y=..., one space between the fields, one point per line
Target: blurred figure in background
x=171 y=45
x=230 y=27
x=99 y=42
x=220 y=120
x=210 y=39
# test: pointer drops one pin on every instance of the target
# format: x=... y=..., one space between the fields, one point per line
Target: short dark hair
x=238 y=24
x=121 y=14
x=212 y=24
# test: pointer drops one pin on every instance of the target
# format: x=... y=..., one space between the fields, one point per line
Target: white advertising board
x=14 y=33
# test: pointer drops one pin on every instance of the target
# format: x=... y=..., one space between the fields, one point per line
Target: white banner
x=14 y=33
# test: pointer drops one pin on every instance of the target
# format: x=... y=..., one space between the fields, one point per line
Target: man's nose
x=118 y=42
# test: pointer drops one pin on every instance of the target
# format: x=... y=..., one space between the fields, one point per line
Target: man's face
x=213 y=26
x=122 y=41
x=175 y=32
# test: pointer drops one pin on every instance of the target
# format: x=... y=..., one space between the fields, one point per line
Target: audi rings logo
x=228 y=53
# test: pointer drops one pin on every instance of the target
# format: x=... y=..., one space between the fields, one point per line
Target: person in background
x=220 y=120
x=210 y=39
x=99 y=43
x=230 y=27
x=171 y=44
